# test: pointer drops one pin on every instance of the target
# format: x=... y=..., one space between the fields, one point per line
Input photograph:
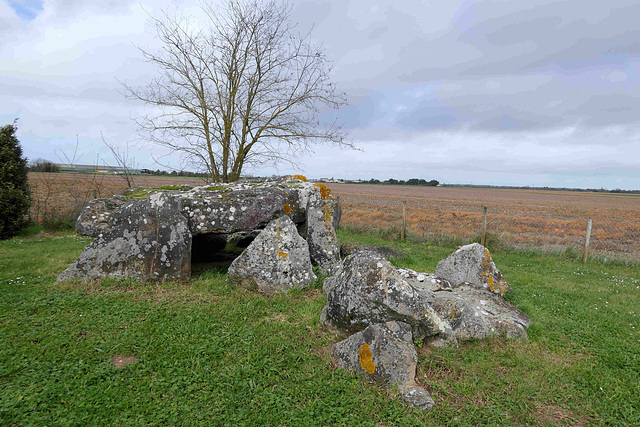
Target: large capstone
x=147 y=239
x=321 y=236
x=385 y=353
x=277 y=260
x=240 y=208
x=473 y=264
x=370 y=290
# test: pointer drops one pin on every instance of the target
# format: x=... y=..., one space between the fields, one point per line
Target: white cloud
x=486 y=92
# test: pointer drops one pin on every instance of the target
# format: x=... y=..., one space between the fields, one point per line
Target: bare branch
x=241 y=89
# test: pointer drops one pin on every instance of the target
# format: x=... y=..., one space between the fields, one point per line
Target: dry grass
x=63 y=195
x=552 y=220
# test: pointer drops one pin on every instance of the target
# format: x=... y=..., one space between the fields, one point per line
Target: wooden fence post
x=483 y=240
x=587 y=240
x=404 y=220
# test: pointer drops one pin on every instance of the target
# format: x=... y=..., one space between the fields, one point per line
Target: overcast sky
x=539 y=93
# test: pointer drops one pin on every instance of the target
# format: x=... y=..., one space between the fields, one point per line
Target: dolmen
x=387 y=308
x=287 y=225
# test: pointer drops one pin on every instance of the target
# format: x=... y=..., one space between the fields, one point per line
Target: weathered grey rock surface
x=277 y=260
x=385 y=353
x=215 y=215
x=472 y=263
x=321 y=236
x=472 y=312
x=239 y=207
x=148 y=239
x=349 y=249
x=96 y=216
x=370 y=290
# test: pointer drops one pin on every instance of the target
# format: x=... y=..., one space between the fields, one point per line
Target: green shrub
x=15 y=196
x=59 y=224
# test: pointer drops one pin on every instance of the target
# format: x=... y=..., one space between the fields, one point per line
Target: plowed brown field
x=521 y=218
x=60 y=195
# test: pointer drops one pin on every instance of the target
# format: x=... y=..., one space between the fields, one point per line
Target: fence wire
x=614 y=234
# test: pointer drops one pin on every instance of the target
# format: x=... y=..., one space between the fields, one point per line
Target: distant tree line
x=412 y=181
x=527 y=187
x=42 y=165
x=178 y=173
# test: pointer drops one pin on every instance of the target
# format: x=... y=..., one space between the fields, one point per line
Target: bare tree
x=125 y=163
x=243 y=89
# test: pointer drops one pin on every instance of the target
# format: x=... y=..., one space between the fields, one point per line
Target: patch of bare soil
x=120 y=360
x=550 y=414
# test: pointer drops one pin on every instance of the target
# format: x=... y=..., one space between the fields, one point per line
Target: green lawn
x=211 y=354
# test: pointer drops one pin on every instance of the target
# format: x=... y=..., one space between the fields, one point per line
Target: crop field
x=551 y=220
x=64 y=194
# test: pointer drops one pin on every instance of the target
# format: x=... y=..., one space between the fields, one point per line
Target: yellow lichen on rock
x=326 y=215
x=486 y=273
x=365 y=358
x=287 y=208
x=299 y=177
x=282 y=254
x=325 y=192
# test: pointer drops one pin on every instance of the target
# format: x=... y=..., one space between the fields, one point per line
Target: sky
x=537 y=93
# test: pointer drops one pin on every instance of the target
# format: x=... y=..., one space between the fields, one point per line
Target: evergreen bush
x=15 y=196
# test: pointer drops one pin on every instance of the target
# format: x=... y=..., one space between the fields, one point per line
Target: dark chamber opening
x=217 y=251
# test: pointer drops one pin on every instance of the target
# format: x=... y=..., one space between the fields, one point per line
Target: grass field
x=551 y=220
x=206 y=353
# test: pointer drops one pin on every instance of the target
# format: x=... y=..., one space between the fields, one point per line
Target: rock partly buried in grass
x=277 y=260
x=149 y=239
x=471 y=312
x=95 y=218
x=349 y=249
x=472 y=263
x=385 y=353
x=321 y=236
x=370 y=290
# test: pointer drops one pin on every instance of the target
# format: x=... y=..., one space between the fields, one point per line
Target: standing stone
x=277 y=260
x=385 y=353
x=370 y=290
x=321 y=236
x=148 y=239
x=472 y=263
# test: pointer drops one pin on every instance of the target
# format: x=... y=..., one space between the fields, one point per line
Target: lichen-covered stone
x=348 y=249
x=472 y=312
x=472 y=263
x=242 y=239
x=277 y=260
x=96 y=216
x=370 y=290
x=148 y=239
x=385 y=353
x=321 y=236
x=240 y=206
